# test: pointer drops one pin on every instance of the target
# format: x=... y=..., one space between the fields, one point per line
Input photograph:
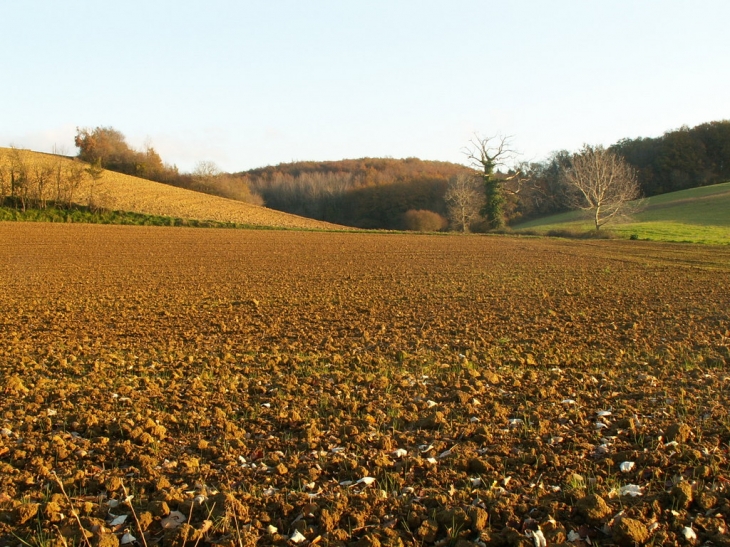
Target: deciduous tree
x=601 y=182
x=485 y=155
x=464 y=199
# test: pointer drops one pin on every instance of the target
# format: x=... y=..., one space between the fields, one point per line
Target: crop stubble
x=243 y=378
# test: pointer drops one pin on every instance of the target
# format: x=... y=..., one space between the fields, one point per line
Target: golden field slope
x=123 y=192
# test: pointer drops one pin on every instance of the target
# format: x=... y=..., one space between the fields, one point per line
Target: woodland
x=412 y=194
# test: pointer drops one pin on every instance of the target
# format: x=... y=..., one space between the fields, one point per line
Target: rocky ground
x=191 y=387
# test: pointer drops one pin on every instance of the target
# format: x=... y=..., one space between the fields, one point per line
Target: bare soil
x=171 y=386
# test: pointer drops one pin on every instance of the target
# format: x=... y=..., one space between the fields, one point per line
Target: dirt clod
x=629 y=532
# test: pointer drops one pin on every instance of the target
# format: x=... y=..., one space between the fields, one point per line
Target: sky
x=251 y=83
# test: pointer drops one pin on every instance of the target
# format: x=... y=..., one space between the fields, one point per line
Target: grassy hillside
x=697 y=215
x=115 y=191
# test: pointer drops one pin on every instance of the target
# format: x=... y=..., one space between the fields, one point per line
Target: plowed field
x=170 y=386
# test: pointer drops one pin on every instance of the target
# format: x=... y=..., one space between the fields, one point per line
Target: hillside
x=124 y=192
x=697 y=215
x=365 y=192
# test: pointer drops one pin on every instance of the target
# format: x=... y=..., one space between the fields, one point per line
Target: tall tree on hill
x=601 y=182
x=485 y=155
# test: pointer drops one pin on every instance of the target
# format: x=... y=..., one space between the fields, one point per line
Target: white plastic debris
x=425 y=447
x=367 y=481
x=602 y=413
x=476 y=481
x=112 y=503
x=297 y=537
x=445 y=454
x=632 y=490
x=431 y=460
x=127 y=538
x=473 y=419
x=431 y=404
x=626 y=467
x=600 y=425
x=269 y=491
x=537 y=537
x=272 y=529
x=567 y=402
x=555 y=440
x=174 y=520
x=400 y=452
x=516 y=421
x=346 y=483
x=573 y=536
x=116 y=521
x=689 y=534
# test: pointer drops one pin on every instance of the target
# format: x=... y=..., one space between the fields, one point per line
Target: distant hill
x=64 y=179
x=698 y=215
x=365 y=192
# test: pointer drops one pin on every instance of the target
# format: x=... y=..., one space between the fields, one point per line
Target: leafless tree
x=601 y=182
x=485 y=155
x=464 y=199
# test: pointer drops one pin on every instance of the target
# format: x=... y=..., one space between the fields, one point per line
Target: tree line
x=493 y=191
x=35 y=181
x=680 y=159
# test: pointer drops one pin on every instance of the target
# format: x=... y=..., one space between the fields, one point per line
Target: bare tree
x=485 y=155
x=601 y=182
x=96 y=172
x=464 y=199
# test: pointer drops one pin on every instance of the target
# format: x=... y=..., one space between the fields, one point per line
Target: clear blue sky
x=252 y=83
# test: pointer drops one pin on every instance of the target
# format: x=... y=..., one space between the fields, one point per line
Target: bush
x=423 y=220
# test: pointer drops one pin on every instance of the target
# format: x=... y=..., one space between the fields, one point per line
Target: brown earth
x=322 y=388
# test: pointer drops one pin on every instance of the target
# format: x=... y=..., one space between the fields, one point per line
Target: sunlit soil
x=231 y=387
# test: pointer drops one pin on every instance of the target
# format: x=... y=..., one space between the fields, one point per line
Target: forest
x=387 y=193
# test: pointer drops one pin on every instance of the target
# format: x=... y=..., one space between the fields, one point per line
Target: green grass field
x=697 y=215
